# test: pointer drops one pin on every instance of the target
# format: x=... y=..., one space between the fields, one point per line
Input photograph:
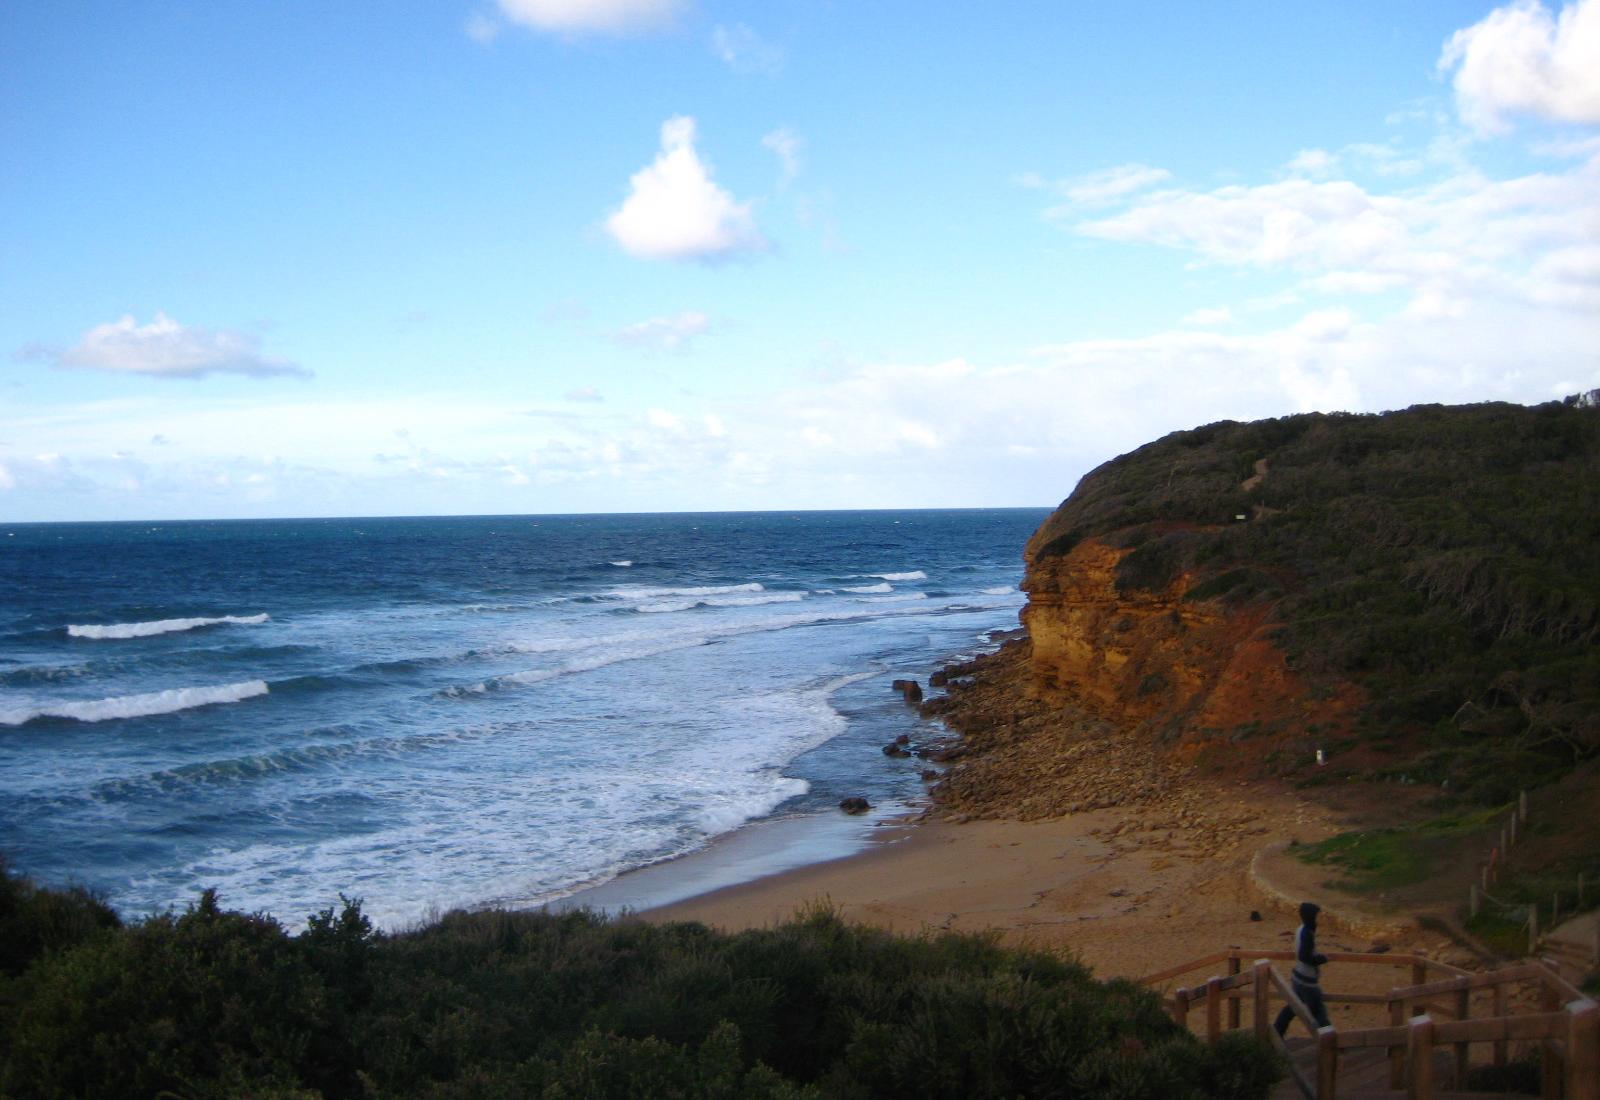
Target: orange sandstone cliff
x=1187 y=674
x=1409 y=598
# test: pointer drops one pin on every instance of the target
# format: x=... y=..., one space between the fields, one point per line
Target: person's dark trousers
x=1311 y=997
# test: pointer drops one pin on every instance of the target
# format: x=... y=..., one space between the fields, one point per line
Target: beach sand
x=1125 y=898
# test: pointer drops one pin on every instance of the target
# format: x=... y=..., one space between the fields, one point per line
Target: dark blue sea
x=431 y=713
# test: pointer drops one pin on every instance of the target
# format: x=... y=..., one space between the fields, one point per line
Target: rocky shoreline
x=1011 y=753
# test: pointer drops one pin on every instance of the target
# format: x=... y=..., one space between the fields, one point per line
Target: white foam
x=914 y=575
x=137 y=706
x=610 y=649
x=621 y=564
x=643 y=592
x=659 y=606
x=160 y=626
x=879 y=588
x=1002 y=591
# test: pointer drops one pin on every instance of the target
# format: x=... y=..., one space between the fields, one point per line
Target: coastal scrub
x=496 y=1004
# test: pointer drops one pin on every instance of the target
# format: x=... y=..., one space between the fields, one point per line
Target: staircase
x=1428 y=1032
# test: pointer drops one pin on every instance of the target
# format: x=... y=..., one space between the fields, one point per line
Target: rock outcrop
x=1188 y=672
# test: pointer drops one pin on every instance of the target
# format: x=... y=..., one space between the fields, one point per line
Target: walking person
x=1306 y=977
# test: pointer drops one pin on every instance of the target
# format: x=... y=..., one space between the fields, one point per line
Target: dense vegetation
x=1443 y=558
x=212 y=1003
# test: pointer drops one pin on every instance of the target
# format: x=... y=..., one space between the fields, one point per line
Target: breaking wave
x=137 y=706
x=159 y=626
x=643 y=592
x=721 y=601
x=914 y=575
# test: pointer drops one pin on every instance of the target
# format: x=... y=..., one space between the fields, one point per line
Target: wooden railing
x=1424 y=1017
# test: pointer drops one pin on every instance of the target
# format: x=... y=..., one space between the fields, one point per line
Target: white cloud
x=591 y=16
x=1522 y=59
x=1098 y=188
x=1465 y=238
x=675 y=211
x=582 y=393
x=745 y=51
x=665 y=333
x=166 y=349
x=1209 y=318
x=787 y=145
x=1313 y=162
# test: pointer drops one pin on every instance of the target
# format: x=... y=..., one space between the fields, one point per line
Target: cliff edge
x=1408 y=597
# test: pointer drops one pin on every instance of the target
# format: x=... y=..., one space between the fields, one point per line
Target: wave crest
x=137 y=706
x=159 y=626
x=644 y=592
x=720 y=601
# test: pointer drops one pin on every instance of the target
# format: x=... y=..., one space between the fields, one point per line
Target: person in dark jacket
x=1306 y=977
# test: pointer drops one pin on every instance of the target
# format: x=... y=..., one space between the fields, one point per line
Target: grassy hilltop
x=1444 y=560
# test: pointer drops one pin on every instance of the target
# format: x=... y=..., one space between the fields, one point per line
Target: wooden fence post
x=1419 y=1056
x=1551 y=1071
x=1533 y=927
x=1260 y=1017
x=1463 y=1012
x=1180 y=1008
x=1327 y=1063
x=1397 y=1055
x=1583 y=1050
x=1233 y=999
x=1213 y=1010
x=1500 y=1045
x=1512 y=829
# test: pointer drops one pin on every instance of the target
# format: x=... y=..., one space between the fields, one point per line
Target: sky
x=549 y=256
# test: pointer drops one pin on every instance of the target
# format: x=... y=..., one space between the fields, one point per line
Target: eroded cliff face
x=1190 y=674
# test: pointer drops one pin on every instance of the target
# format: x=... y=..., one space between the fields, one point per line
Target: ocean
x=442 y=712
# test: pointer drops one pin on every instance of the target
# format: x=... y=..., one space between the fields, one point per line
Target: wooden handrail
x=1567 y=1031
x=1294 y=1002
x=1373 y=1037
x=1302 y=1082
x=1197 y=964
x=1539 y=1025
x=1386 y=958
x=1525 y=972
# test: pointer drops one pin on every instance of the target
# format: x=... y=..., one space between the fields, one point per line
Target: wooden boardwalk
x=1425 y=1036
x=1366 y=1077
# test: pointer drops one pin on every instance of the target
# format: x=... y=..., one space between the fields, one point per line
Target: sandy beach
x=1116 y=887
x=1054 y=831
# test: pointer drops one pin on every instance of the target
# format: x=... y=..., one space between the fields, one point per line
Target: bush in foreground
x=212 y=1003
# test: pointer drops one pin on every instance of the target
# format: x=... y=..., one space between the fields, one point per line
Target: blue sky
x=617 y=255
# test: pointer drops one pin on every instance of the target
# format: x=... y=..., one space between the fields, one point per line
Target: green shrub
x=1441 y=557
x=493 y=1004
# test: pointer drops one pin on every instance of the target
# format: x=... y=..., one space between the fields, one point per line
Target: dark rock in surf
x=855 y=805
x=910 y=690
